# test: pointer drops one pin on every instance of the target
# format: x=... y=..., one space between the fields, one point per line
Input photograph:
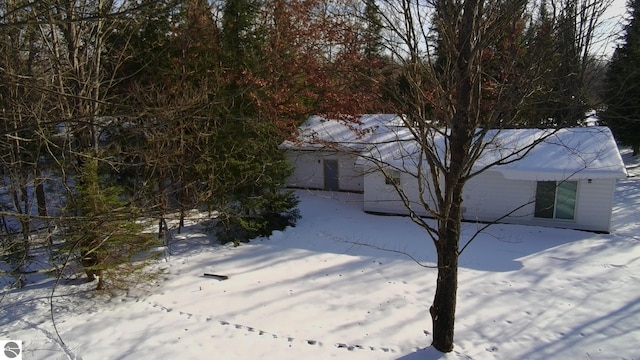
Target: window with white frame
x=556 y=200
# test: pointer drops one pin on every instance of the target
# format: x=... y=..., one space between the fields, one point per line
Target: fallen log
x=219 y=277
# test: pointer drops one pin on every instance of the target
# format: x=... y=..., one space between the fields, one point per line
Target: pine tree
x=239 y=31
x=622 y=85
x=250 y=173
x=240 y=164
x=567 y=99
x=102 y=233
x=373 y=31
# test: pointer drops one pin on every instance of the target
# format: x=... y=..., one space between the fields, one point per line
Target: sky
x=612 y=24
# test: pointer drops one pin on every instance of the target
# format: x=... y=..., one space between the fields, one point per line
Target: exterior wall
x=595 y=204
x=308 y=170
x=382 y=198
x=489 y=196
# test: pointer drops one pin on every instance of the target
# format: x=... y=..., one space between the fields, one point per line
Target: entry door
x=331 y=182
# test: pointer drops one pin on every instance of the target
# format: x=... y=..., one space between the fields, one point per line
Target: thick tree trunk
x=462 y=126
x=443 y=309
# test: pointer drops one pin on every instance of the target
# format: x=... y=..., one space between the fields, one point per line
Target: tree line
x=117 y=111
x=114 y=111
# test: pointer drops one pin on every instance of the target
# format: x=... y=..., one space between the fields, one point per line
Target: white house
x=324 y=151
x=567 y=180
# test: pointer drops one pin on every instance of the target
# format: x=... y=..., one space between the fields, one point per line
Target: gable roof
x=561 y=154
x=564 y=154
x=319 y=132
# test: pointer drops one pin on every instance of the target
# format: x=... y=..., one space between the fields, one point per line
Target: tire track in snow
x=259 y=332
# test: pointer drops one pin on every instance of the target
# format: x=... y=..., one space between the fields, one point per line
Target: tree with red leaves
x=234 y=79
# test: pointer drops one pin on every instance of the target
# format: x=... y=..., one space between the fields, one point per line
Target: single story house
x=324 y=151
x=567 y=180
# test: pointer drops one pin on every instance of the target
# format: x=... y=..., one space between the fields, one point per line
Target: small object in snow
x=219 y=277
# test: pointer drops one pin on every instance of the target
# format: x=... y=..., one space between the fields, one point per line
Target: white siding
x=308 y=170
x=593 y=205
x=595 y=202
x=351 y=179
x=379 y=197
x=489 y=196
x=383 y=198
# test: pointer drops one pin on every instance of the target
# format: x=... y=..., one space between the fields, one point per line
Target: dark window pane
x=545 y=199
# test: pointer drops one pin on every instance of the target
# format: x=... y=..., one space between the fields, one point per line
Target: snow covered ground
x=316 y=292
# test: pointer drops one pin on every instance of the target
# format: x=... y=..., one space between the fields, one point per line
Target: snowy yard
x=316 y=291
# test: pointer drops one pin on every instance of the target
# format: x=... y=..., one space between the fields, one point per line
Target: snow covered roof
x=570 y=153
x=560 y=154
x=318 y=132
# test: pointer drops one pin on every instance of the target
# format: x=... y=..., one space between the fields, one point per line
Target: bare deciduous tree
x=466 y=70
x=23 y=122
x=61 y=99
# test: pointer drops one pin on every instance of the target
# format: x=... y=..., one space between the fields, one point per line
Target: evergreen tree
x=542 y=43
x=239 y=31
x=102 y=233
x=561 y=33
x=249 y=169
x=373 y=31
x=250 y=177
x=622 y=85
x=567 y=101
